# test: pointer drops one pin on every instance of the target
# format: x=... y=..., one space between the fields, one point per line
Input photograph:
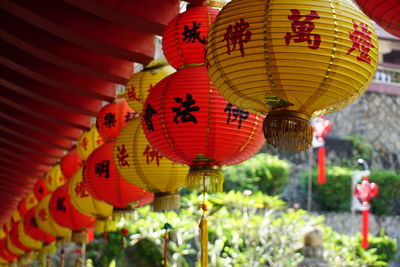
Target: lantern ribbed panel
x=313 y=81
x=32 y=229
x=220 y=143
x=112 y=118
x=180 y=51
x=26 y=240
x=139 y=84
x=70 y=163
x=54 y=178
x=142 y=165
x=65 y=214
x=14 y=238
x=46 y=221
x=114 y=189
x=40 y=189
x=88 y=142
x=386 y=13
x=83 y=201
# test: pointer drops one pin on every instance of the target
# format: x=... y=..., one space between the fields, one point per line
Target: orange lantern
x=70 y=163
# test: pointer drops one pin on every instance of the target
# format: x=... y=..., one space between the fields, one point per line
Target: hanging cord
x=204 y=229
x=167 y=227
x=62 y=258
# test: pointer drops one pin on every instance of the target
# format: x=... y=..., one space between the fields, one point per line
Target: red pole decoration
x=365 y=191
x=321 y=128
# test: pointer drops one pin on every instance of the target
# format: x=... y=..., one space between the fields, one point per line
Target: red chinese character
x=361 y=41
x=237 y=34
x=80 y=190
x=131 y=93
x=152 y=154
x=302 y=29
x=43 y=215
x=122 y=156
x=84 y=143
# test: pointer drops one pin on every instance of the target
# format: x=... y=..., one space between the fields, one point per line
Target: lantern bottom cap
x=166 y=201
x=288 y=130
x=209 y=178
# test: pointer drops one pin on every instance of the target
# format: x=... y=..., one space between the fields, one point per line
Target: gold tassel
x=166 y=201
x=288 y=131
x=214 y=178
x=203 y=242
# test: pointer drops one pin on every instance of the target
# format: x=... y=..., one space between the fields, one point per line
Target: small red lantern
x=185 y=36
x=65 y=214
x=15 y=239
x=112 y=118
x=40 y=189
x=365 y=192
x=189 y=122
x=33 y=230
x=5 y=253
x=104 y=182
x=386 y=13
x=70 y=163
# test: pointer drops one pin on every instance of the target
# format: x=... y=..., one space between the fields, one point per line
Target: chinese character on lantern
x=185 y=113
x=80 y=190
x=152 y=154
x=84 y=143
x=43 y=215
x=122 y=156
x=131 y=93
x=361 y=38
x=103 y=168
x=60 y=204
x=302 y=26
x=238 y=33
x=148 y=113
x=237 y=113
x=33 y=222
x=193 y=34
x=109 y=120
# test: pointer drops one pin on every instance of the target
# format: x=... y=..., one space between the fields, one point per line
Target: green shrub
x=388 y=200
x=263 y=172
x=384 y=247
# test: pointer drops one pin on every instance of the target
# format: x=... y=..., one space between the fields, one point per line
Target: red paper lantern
x=185 y=36
x=189 y=122
x=33 y=230
x=5 y=253
x=112 y=118
x=386 y=13
x=70 y=163
x=15 y=239
x=104 y=182
x=65 y=214
x=40 y=189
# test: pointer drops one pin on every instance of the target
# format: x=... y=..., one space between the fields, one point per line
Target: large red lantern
x=40 y=189
x=112 y=118
x=65 y=214
x=104 y=182
x=32 y=228
x=384 y=12
x=70 y=163
x=189 y=122
x=185 y=36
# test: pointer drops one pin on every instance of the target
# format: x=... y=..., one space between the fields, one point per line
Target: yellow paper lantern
x=46 y=222
x=54 y=178
x=140 y=164
x=293 y=60
x=88 y=142
x=86 y=204
x=30 y=201
x=26 y=240
x=139 y=84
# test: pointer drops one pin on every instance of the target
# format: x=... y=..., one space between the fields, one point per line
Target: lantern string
x=167 y=227
x=204 y=229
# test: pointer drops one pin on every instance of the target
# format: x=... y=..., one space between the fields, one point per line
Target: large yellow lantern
x=54 y=178
x=46 y=222
x=139 y=84
x=88 y=142
x=293 y=60
x=86 y=204
x=140 y=164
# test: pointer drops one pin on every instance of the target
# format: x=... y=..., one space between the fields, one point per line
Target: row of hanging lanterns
x=281 y=62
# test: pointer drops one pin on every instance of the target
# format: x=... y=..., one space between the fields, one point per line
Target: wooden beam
x=4 y=151
x=13 y=163
x=33 y=151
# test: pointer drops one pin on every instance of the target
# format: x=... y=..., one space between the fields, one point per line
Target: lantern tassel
x=321 y=165
x=364 y=230
x=287 y=131
x=166 y=201
x=214 y=175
